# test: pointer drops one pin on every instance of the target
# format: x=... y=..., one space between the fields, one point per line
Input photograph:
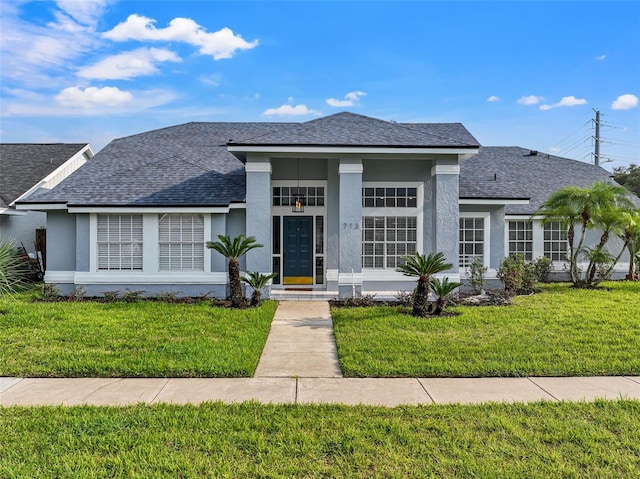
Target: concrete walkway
x=300 y=343
x=299 y=365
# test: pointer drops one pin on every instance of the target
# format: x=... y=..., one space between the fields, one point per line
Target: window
x=378 y=197
x=120 y=242
x=386 y=239
x=285 y=195
x=471 y=240
x=181 y=242
x=521 y=239
x=555 y=241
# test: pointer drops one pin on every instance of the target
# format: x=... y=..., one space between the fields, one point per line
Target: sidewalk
x=299 y=365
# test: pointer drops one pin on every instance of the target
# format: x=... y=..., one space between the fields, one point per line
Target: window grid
x=119 y=242
x=471 y=240
x=521 y=239
x=386 y=239
x=286 y=195
x=555 y=241
x=382 y=197
x=181 y=242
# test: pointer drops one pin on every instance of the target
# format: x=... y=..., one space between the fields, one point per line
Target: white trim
x=351 y=149
x=128 y=277
x=331 y=275
x=498 y=201
x=347 y=279
x=59 y=277
x=356 y=168
x=523 y=218
x=377 y=274
x=12 y=212
x=445 y=170
x=257 y=167
x=42 y=206
x=151 y=210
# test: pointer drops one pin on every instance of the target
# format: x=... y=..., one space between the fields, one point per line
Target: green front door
x=297 y=232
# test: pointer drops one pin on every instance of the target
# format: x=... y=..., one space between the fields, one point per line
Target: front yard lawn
x=559 y=332
x=143 y=339
x=540 y=440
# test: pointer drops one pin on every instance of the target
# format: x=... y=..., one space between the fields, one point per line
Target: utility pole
x=596 y=153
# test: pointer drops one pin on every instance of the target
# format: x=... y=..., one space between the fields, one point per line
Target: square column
x=350 y=228
x=442 y=211
x=258 y=214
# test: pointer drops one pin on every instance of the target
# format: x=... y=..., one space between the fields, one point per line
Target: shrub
x=14 y=269
x=543 y=266
x=475 y=274
x=517 y=275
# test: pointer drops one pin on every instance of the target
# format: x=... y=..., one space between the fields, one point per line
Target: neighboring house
x=336 y=202
x=27 y=169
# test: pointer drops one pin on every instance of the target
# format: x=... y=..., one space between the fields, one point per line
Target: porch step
x=298 y=295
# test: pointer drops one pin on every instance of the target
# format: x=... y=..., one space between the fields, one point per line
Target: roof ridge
x=434 y=135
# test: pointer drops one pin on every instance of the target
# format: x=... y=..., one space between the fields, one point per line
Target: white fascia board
x=41 y=206
x=152 y=209
x=472 y=201
x=11 y=212
x=524 y=217
x=342 y=150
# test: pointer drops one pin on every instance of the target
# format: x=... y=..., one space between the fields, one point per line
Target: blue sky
x=518 y=73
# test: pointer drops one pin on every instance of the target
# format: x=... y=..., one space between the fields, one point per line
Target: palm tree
x=574 y=207
x=257 y=281
x=14 y=270
x=233 y=249
x=629 y=233
x=442 y=288
x=423 y=267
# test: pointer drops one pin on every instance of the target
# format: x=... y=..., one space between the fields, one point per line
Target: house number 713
x=351 y=226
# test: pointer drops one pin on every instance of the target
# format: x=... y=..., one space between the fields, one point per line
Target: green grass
x=539 y=440
x=143 y=339
x=559 y=332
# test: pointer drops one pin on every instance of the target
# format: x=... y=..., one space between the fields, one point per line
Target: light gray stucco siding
x=22 y=228
x=350 y=227
x=303 y=169
x=61 y=241
x=83 y=259
x=218 y=227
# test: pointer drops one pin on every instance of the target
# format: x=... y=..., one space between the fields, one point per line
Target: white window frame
x=566 y=243
x=134 y=244
x=197 y=240
x=417 y=212
x=486 y=256
x=508 y=239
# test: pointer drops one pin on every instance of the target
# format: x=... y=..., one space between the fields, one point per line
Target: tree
x=422 y=267
x=443 y=289
x=233 y=250
x=257 y=281
x=600 y=206
x=628 y=177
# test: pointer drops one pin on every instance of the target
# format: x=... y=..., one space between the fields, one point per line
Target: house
x=336 y=202
x=27 y=169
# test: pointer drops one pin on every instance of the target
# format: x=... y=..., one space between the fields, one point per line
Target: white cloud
x=221 y=44
x=92 y=96
x=213 y=79
x=290 y=110
x=127 y=65
x=625 y=102
x=530 y=100
x=86 y=12
x=601 y=57
x=566 y=101
x=493 y=98
x=349 y=99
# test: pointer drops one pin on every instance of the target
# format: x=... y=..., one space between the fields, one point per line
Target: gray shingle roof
x=512 y=172
x=189 y=164
x=350 y=129
x=23 y=165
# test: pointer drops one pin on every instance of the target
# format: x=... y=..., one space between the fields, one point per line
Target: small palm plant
x=443 y=290
x=14 y=270
x=233 y=250
x=257 y=281
x=423 y=267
